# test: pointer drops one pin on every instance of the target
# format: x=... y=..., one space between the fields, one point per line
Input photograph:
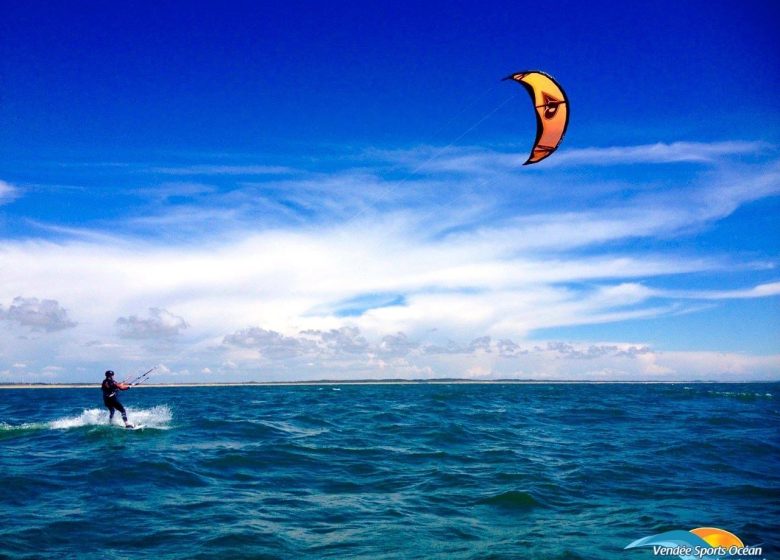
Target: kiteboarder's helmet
x=109 y=373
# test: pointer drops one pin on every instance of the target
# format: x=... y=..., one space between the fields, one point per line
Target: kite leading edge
x=552 y=111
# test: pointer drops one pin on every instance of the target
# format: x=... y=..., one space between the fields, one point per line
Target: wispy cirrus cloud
x=176 y=190
x=477 y=159
x=648 y=214
x=497 y=198
x=218 y=169
x=582 y=214
x=760 y=291
x=661 y=153
x=8 y=192
x=430 y=273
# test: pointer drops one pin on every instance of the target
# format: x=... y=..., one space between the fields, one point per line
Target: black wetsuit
x=110 y=391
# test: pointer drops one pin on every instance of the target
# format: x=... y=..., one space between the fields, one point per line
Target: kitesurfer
x=110 y=389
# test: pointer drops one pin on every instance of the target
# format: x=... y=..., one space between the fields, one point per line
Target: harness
x=108 y=386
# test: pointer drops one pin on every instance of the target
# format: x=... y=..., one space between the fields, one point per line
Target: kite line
x=141 y=378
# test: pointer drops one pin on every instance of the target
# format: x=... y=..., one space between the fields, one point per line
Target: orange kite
x=552 y=111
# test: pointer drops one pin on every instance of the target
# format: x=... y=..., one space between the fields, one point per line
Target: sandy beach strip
x=356 y=382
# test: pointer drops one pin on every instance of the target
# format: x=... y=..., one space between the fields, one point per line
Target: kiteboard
x=135 y=427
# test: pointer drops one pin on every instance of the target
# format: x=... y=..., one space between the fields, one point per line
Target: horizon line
x=438 y=381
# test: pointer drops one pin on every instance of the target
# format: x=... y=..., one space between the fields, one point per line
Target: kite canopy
x=552 y=111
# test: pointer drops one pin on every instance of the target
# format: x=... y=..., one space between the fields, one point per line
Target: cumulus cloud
x=350 y=341
x=593 y=351
x=160 y=323
x=270 y=343
x=345 y=340
x=402 y=356
x=396 y=346
x=39 y=315
x=274 y=345
x=509 y=349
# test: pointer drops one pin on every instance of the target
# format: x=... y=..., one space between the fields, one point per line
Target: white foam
x=4 y=426
x=88 y=417
x=156 y=417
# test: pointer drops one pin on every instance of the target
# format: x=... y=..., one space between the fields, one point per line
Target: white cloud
x=182 y=190
x=674 y=152
x=312 y=343
x=472 y=159
x=8 y=192
x=159 y=324
x=270 y=344
x=649 y=215
x=487 y=358
x=760 y=291
x=224 y=170
x=360 y=272
x=396 y=346
x=39 y=315
x=252 y=297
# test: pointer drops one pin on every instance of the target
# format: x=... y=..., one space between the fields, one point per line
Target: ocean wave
x=722 y=392
x=512 y=499
x=8 y=431
x=290 y=430
x=741 y=395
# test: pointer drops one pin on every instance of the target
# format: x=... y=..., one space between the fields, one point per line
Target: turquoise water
x=386 y=471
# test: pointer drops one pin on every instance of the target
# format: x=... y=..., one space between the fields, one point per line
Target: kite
x=552 y=111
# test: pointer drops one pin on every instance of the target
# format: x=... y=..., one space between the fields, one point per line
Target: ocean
x=413 y=471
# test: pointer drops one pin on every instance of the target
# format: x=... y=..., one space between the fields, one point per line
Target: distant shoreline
x=326 y=382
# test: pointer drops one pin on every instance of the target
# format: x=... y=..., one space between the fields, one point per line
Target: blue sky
x=308 y=190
